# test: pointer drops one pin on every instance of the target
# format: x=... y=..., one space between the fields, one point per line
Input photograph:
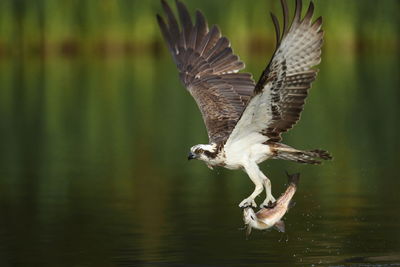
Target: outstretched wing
x=208 y=69
x=281 y=91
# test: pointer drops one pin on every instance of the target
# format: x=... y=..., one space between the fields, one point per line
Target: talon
x=271 y=204
x=247 y=203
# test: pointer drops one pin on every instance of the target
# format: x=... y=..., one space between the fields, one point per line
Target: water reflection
x=94 y=172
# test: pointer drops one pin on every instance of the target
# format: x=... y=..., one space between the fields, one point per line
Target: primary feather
x=209 y=70
x=280 y=93
x=245 y=120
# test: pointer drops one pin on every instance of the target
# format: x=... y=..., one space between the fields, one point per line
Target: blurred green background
x=94 y=27
x=95 y=129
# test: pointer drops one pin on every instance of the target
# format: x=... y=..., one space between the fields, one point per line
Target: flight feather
x=280 y=93
x=208 y=68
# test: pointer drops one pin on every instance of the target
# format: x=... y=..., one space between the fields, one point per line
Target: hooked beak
x=191 y=156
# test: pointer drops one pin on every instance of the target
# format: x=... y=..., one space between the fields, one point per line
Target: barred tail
x=308 y=157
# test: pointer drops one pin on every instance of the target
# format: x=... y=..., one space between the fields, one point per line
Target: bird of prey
x=245 y=120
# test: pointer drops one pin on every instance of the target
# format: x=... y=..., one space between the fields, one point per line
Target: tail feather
x=308 y=157
x=322 y=154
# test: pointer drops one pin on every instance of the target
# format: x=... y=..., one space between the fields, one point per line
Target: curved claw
x=269 y=202
x=270 y=205
x=248 y=203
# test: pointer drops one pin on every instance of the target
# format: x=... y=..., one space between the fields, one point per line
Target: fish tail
x=248 y=231
x=293 y=179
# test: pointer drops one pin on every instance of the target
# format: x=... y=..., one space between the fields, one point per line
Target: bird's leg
x=253 y=171
x=269 y=200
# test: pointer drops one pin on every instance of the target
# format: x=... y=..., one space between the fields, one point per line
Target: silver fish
x=271 y=216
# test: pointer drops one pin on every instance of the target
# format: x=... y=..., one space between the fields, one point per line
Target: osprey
x=244 y=119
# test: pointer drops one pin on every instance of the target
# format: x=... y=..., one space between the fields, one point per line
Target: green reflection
x=70 y=27
x=94 y=142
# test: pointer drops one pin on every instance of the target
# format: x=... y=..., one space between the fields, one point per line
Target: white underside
x=246 y=153
x=244 y=148
x=243 y=152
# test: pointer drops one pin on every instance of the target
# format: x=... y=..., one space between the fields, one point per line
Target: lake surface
x=94 y=171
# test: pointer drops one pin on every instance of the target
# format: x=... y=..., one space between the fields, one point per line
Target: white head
x=203 y=152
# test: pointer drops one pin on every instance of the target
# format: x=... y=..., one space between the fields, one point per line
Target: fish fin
x=280 y=226
x=291 y=204
x=293 y=178
x=248 y=231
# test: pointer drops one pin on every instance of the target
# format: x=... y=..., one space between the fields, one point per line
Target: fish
x=271 y=216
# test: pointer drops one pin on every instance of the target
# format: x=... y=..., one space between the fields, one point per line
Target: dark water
x=94 y=171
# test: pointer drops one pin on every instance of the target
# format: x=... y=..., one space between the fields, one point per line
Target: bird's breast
x=239 y=154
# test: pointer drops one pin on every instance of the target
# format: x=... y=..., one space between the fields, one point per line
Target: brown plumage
x=285 y=152
x=245 y=120
x=208 y=69
x=290 y=72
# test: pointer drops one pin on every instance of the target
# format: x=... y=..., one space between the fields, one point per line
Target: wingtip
x=283 y=2
x=318 y=21
x=164 y=4
x=199 y=14
x=184 y=14
x=179 y=3
x=277 y=29
x=285 y=10
x=309 y=13
x=312 y=5
x=200 y=18
x=160 y=20
x=297 y=14
x=167 y=9
x=273 y=17
x=215 y=28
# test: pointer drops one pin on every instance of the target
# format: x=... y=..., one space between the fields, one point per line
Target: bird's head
x=203 y=152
